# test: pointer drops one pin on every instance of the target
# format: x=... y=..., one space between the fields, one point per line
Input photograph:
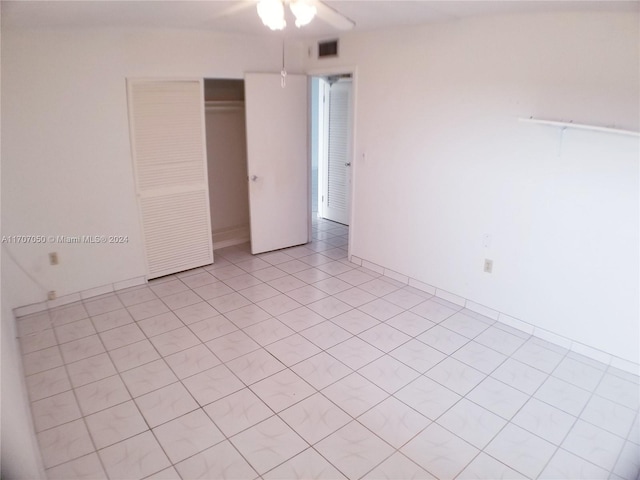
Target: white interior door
x=337 y=165
x=277 y=160
x=169 y=157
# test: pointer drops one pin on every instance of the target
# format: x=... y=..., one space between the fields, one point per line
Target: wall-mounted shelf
x=595 y=128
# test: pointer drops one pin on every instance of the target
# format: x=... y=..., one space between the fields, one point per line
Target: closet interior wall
x=227 y=161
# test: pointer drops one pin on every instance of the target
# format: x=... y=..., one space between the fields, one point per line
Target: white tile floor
x=299 y=364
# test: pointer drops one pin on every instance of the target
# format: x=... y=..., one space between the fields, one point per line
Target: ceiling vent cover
x=328 y=48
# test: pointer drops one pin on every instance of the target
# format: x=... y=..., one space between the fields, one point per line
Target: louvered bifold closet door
x=169 y=155
x=338 y=147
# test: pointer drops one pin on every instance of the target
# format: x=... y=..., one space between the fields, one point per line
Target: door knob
x=254 y=178
x=348 y=164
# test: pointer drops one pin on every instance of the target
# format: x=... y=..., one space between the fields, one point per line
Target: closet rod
x=223 y=104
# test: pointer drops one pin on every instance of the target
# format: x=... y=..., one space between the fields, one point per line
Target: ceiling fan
x=272 y=13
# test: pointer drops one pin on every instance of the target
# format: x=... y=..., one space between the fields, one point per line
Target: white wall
x=446 y=161
x=227 y=169
x=20 y=457
x=66 y=166
x=66 y=153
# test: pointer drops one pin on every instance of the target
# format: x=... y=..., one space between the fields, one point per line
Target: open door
x=277 y=160
x=336 y=194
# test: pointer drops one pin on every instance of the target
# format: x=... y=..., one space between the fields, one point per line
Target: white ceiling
x=240 y=15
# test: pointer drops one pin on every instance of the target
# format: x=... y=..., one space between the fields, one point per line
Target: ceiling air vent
x=328 y=48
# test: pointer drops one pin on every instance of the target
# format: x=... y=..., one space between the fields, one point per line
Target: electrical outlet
x=51 y=295
x=488 y=265
x=53 y=258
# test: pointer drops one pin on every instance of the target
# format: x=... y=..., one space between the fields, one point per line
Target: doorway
x=256 y=139
x=331 y=146
x=227 y=161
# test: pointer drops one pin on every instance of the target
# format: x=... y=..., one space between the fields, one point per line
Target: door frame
x=324 y=149
x=325 y=72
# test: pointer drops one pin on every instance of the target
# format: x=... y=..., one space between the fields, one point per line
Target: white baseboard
x=504 y=319
x=230 y=236
x=77 y=297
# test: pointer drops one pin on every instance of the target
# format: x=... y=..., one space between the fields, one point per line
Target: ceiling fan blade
x=333 y=17
x=237 y=7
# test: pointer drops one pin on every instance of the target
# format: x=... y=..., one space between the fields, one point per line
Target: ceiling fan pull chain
x=283 y=72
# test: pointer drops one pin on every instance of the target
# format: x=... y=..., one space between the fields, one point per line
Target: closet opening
x=226 y=139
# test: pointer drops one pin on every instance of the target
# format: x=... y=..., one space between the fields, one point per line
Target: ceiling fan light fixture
x=303 y=10
x=271 y=12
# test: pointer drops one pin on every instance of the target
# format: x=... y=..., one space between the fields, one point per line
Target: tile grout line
x=597 y=351
x=82 y=415
x=325 y=351
x=131 y=398
x=180 y=381
x=352 y=337
x=577 y=419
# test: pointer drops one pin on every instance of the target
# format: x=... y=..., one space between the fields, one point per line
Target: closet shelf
x=595 y=128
